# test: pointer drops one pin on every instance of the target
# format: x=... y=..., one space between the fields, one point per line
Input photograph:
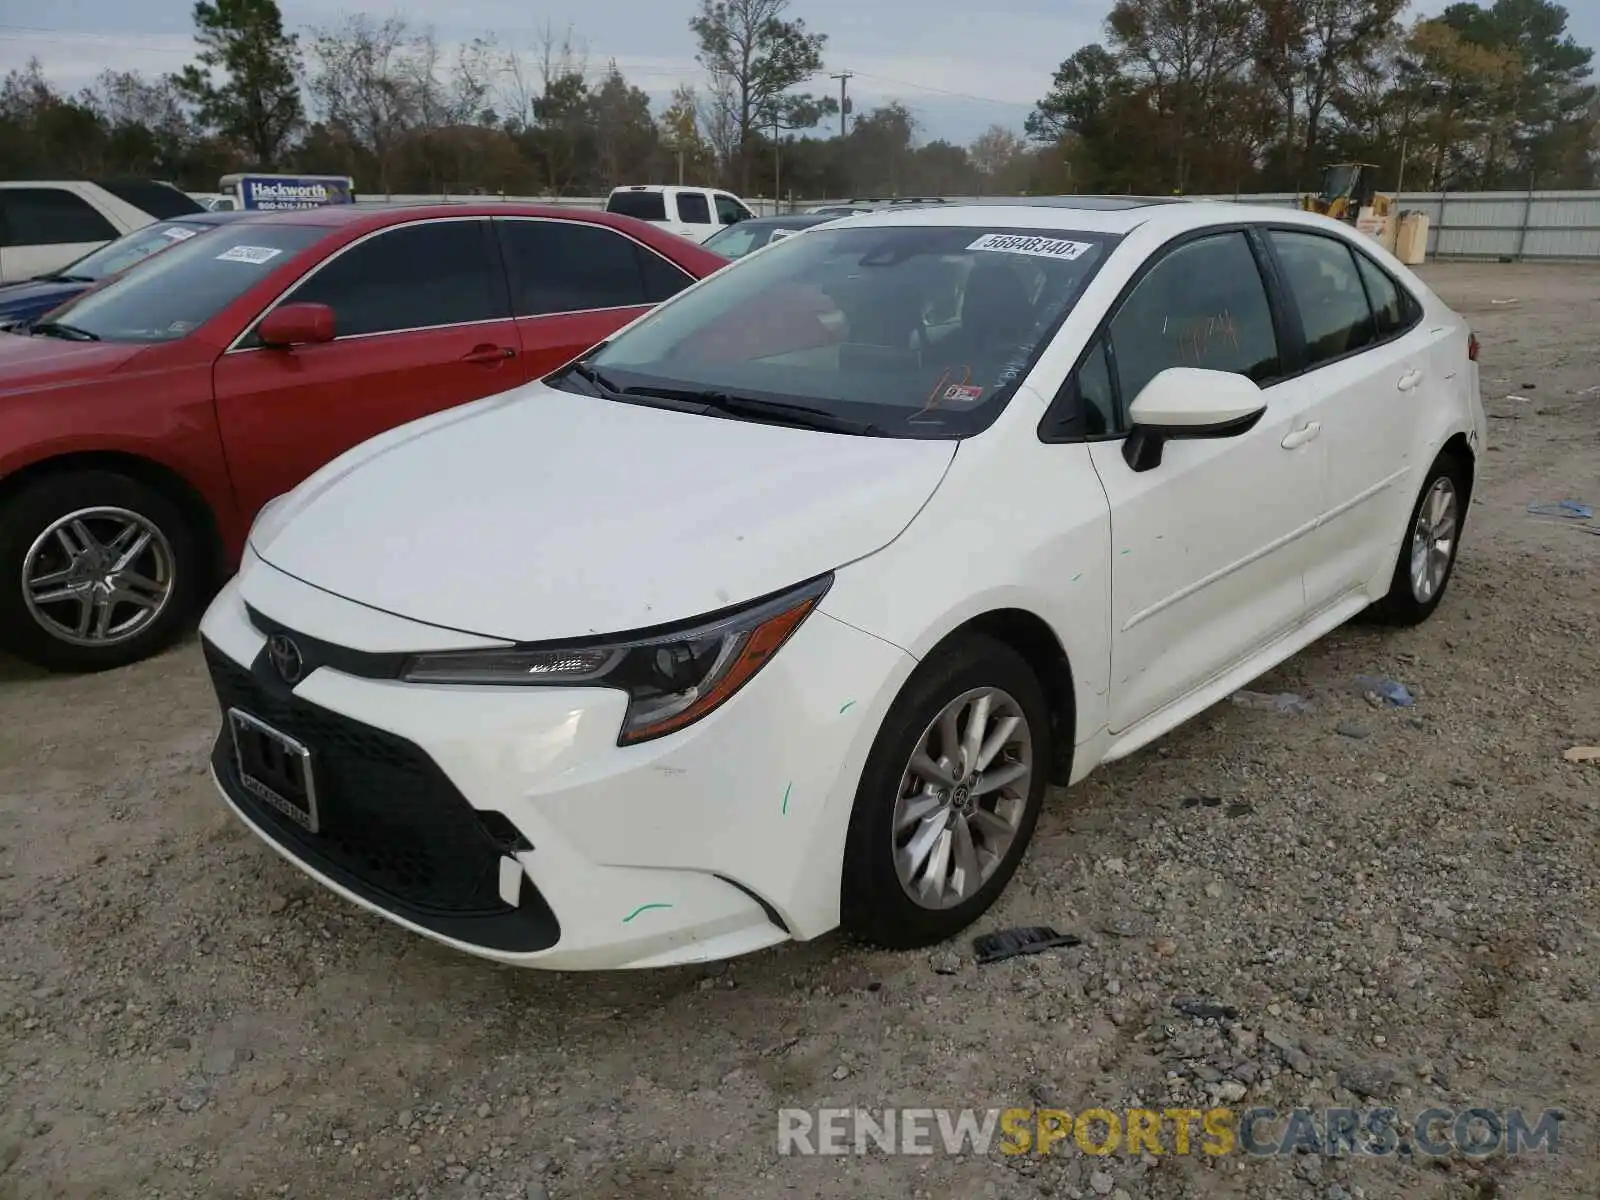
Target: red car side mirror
x=296 y=325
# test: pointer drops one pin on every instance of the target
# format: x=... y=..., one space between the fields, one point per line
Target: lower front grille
x=393 y=828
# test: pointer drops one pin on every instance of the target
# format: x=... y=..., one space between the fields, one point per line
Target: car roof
x=791 y=219
x=376 y=216
x=210 y=218
x=1056 y=213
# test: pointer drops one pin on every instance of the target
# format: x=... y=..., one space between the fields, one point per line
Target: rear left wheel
x=1428 y=555
x=949 y=798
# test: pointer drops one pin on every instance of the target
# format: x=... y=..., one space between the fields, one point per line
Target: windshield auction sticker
x=1039 y=247
x=249 y=254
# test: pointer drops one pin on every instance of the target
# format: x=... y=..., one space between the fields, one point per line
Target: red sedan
x=143 y=424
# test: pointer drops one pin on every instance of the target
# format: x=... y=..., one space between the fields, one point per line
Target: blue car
x=21 y=303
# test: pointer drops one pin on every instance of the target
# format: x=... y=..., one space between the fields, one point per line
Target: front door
x=1208 y=548
x=422 y=323
x=575 y=283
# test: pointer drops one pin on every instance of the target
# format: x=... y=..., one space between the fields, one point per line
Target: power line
x=922 y=87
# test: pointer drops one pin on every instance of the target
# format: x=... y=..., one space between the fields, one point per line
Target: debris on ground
x=1011 y=943
x=1572 y=510
x=1579 y=754
x=1395 y=693
x=1283 y=702
x=1205 y=1010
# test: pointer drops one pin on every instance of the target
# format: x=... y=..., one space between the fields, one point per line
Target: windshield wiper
x=61 y=279
x=801 y=415
x=593 y=378
x=62 y=330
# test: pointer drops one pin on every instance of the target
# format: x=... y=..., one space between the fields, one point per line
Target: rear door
x=575 y=283
x=1367 y=372
x=42 y=229
x=422 y=322
x=695 y=221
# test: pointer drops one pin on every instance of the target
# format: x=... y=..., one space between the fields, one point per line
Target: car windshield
x=738 y=240
x=187 y=285
x=907 y=331
x=126 y=251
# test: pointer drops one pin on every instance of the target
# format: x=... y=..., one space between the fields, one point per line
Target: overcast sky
x=958 y=66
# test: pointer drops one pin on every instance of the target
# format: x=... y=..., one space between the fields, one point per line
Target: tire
x=149 y=602
x=1406 y=603
x=875 y=906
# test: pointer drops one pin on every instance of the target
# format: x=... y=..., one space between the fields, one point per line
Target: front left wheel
x=97 y=570
x=949 y=798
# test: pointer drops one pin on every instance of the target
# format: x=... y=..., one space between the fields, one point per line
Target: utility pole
x=844 y=78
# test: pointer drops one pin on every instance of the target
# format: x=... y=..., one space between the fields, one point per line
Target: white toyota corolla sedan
x=780 y=610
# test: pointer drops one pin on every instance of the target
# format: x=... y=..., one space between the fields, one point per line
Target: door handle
x=488 y=354
x=1302 y=435
x=1409 y=380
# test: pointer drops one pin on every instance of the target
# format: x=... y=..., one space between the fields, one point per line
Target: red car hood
x=39 y=362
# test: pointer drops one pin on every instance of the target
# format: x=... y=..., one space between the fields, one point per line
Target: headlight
x=672 y=678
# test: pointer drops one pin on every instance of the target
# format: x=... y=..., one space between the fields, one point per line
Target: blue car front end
x=21 y=303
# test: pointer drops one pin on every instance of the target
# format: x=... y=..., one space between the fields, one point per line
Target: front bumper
x=718 y=840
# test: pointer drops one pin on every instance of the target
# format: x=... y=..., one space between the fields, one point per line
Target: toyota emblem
x=286 y=657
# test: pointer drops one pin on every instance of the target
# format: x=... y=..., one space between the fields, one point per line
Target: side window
x=1321 y=272
x=1096 y=397
x=693 y=209
x=661 y=278
x=416 y=277
x=51 y=217
x=570 y=266
x=730 y=211
x=1202 y=305
x=1388 y=308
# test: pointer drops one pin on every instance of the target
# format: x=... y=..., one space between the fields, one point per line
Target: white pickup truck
x=694 y=213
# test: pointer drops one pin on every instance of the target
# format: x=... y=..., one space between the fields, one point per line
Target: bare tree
x=995 y=151
x=753 y=58
x=364 y=78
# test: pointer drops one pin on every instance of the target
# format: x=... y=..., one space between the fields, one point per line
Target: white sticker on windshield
x=178 y=233
x=249 y=254
x=782 y=233
x=1039 y=247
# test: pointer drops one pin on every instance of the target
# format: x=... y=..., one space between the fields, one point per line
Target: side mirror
x=731 y=218
x=1189 y=402
x=296 y=325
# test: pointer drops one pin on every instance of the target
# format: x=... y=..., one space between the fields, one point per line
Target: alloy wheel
x=1433 y=539
x=962 y=798
x=98 y=576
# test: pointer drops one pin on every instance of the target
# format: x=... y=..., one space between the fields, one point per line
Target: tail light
x=1472 y=346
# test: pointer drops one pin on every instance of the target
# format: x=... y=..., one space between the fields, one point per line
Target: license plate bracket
x=275 y=769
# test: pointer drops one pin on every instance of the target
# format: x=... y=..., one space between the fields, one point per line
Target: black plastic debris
x=1240 y=809
x=1011 y=943
x=1202 y=801
x=1204 y=1010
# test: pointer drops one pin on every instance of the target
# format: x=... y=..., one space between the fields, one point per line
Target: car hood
x=35 y=362
x=24 y=300
x=541 y=514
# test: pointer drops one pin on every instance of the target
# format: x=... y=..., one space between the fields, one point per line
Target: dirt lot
x=1400 y=903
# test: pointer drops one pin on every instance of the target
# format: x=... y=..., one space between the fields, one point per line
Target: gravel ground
x=1399 y=903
